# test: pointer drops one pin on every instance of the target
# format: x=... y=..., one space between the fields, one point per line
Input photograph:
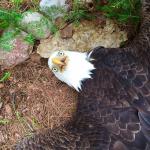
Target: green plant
x=35 y=123
x=9 y=17
x=34 y=5
x=16 y=4
x=30 y=39
x=53 y=11
x=4 y=121
x=122 y=10
x=5 y=76
x=77 y=13
x=25 y=125
x=22 y=5
x=13 y=15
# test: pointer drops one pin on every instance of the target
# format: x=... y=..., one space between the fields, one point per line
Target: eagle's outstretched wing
x=136 y=80
x=68 y=137
x=118 y=96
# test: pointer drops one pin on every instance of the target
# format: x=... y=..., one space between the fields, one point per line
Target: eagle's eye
x=60 y=53
x=54 y=69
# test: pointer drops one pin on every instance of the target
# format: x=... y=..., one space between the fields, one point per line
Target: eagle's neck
x=78 y=69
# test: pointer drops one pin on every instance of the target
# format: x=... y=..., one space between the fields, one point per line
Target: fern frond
x=123 y=10
x=9 y=17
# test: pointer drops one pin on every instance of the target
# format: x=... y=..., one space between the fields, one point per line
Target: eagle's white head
x=71 y=67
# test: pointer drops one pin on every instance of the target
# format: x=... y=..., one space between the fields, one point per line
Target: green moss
x=7 y=38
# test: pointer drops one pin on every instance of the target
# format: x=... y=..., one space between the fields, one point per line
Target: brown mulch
x=33 y=99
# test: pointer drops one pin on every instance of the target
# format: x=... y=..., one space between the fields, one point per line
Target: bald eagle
x=113 y=109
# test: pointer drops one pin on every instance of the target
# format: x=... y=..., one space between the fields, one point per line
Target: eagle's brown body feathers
x=113 y=110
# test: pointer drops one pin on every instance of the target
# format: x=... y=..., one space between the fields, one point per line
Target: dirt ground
x=32 y=99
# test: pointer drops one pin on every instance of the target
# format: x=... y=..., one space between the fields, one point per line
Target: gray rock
x=86 y=36
x=53 y=8
x=15 y=47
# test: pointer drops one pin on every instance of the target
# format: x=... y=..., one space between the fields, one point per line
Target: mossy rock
x=15 y=47
x=36 y=24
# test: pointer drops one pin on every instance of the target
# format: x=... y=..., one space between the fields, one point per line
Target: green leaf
x=4 y=121
x=5 y=77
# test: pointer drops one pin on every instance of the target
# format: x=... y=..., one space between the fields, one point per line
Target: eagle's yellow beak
x=60 y=61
